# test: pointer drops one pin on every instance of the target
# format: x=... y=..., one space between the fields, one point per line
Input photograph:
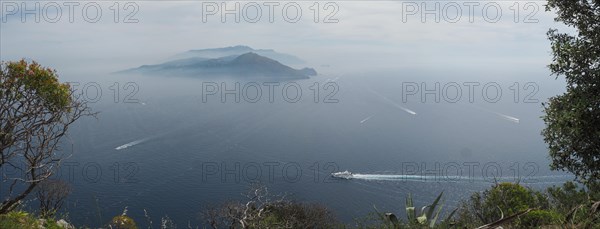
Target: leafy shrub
x=427 y=217
x=575 y=204
x=122 y=222
x=500 y=201
x=509 y=198
x=296 y=215
x=567 y=197
x=540 y=218
x=17 y=219
x=22 y=219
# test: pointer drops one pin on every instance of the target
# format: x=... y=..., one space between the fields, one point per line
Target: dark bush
x=265 y=211
x=51 y=195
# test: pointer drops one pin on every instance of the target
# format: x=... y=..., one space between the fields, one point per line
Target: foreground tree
x=573 y=118
x=35 y=113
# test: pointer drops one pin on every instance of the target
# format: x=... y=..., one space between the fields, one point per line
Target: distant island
x=227 y=61
x=213 y=53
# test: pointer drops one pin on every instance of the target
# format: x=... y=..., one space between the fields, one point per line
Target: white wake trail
x=366 y=119
x=392 y=177
x=445 y=178
x=509 y=118
x=503 y=116
x=394 y=103
x=133 y=143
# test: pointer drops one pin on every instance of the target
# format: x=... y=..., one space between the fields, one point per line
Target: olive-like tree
x=573 y=118
x=36 y=111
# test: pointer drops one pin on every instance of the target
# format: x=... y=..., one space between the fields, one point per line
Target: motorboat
x=343 y=175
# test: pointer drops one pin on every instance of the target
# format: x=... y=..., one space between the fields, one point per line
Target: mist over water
x=174 y=150
x=409 y=107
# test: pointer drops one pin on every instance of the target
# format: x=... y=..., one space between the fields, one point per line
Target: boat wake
x=133 y=143
x=509 y=118
x=366 y=119
x=393 y=103
x=390 y=177
x=433 y=178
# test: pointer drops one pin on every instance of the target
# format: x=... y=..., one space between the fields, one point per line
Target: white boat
x=344 y=175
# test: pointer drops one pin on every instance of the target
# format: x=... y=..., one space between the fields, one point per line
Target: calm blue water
x=179 y=155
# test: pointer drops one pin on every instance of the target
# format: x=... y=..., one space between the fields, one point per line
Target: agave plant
x=427 y=216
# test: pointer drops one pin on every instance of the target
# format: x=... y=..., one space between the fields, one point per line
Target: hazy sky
x=373 y=33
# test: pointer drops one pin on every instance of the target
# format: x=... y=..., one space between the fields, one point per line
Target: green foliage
x=17 y=219
x=573 y=119
x=298 y=215
x=428 y=216
x=36 y=109
x=567 y=197
x=22 y=219
x=466 y=217
x=293 y=215
x=509 y=198
x=20 y=77
x=122 y=222
x=575 y=204
x=500 y=201
x=567 y=205
x=540 y=218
